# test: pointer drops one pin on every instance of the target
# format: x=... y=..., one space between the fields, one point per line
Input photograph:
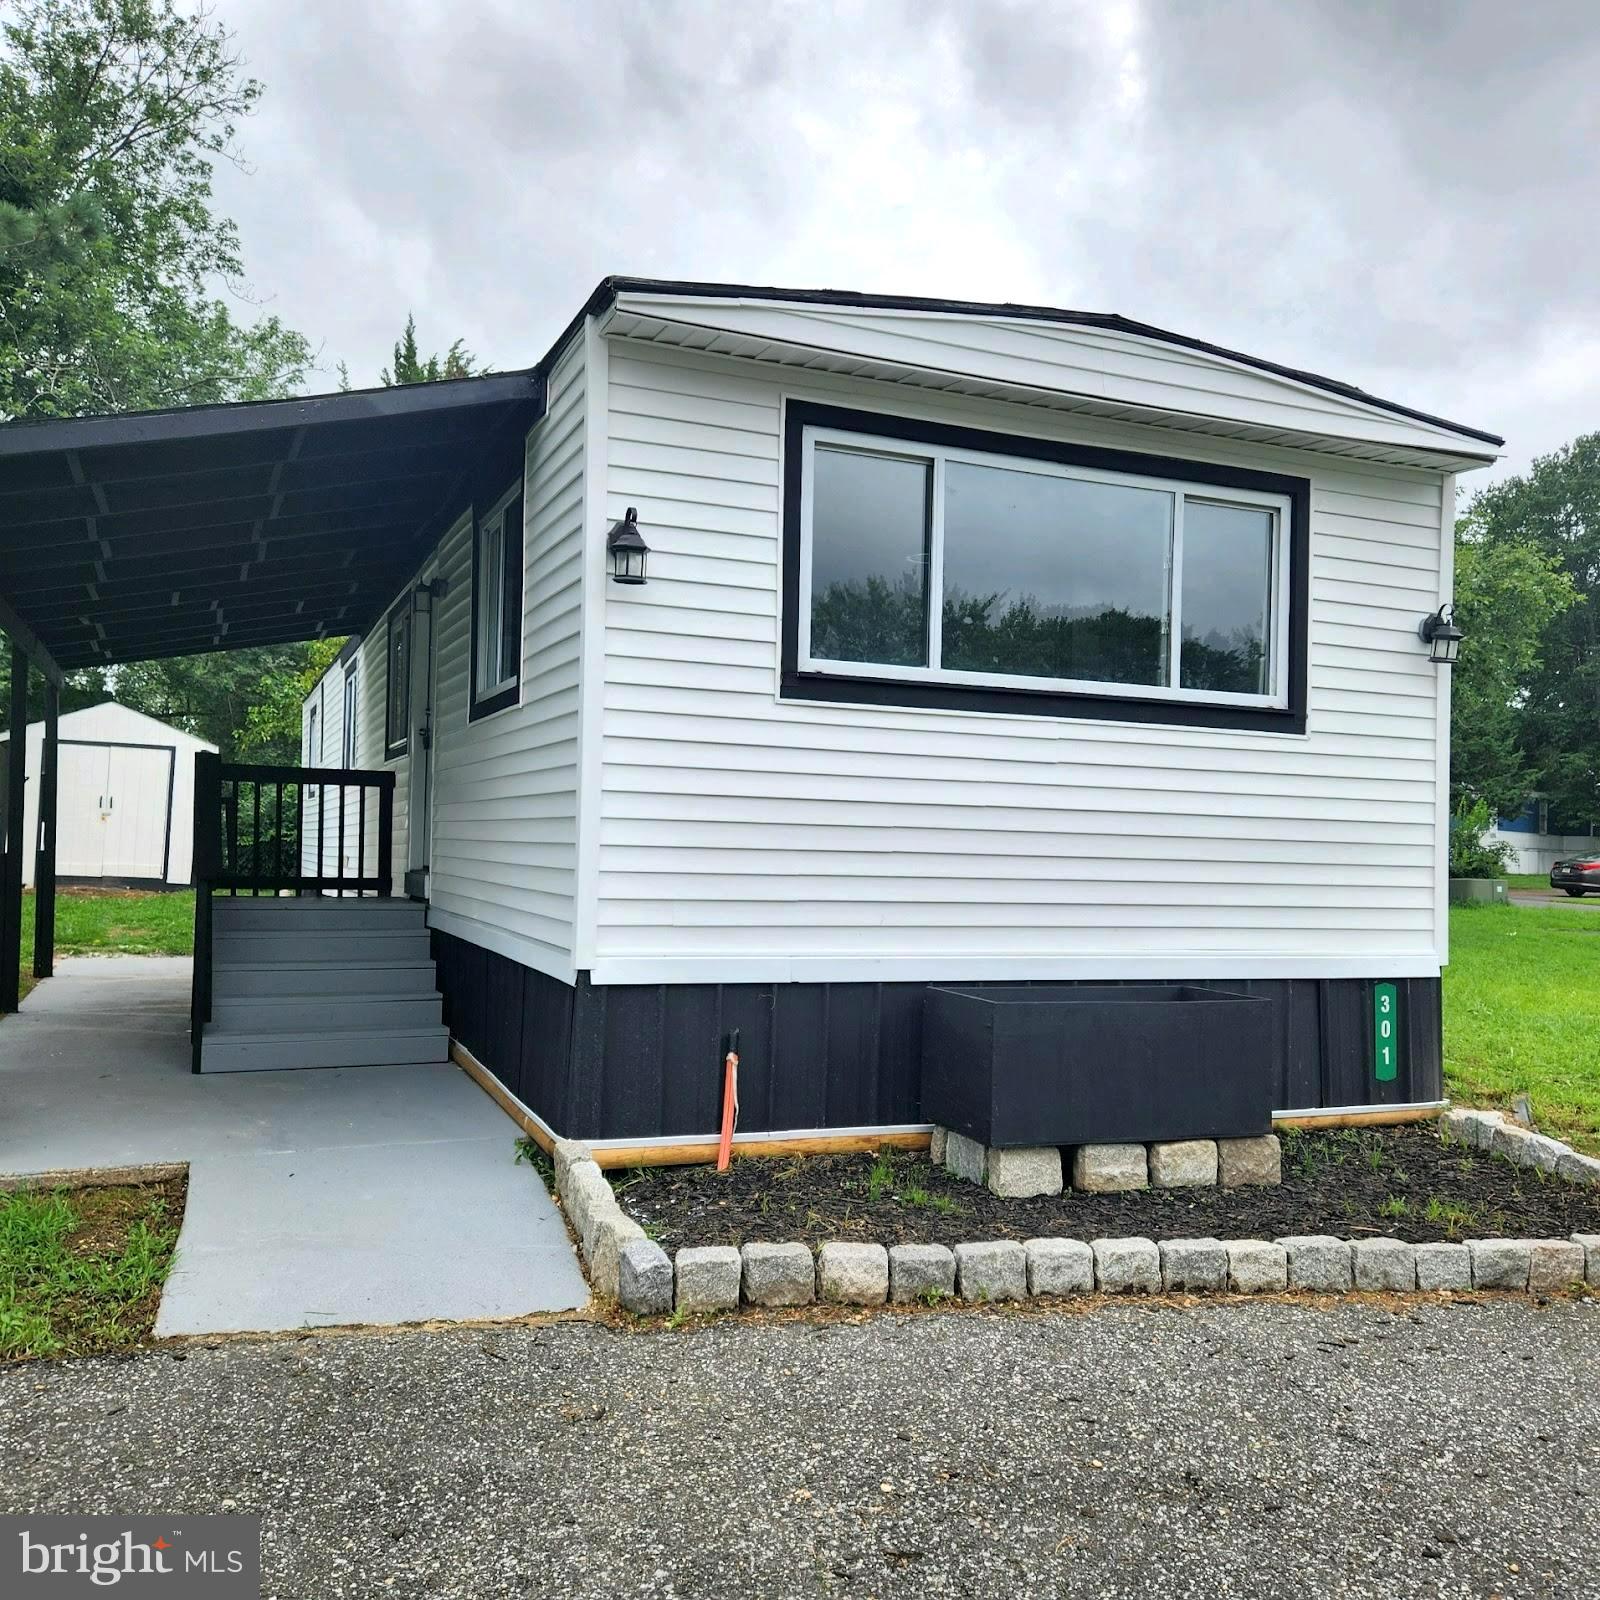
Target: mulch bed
x=1401 y=1183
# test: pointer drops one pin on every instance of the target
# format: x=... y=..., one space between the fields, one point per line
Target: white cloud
x=1409 y=207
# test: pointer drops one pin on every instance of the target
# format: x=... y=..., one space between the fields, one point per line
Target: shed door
x=137 y=781
x=82 y=770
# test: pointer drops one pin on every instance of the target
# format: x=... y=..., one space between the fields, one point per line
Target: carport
x=170 y=533
x=314 y=1197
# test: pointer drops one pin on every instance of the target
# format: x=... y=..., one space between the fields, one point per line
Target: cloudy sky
x=1405 y=195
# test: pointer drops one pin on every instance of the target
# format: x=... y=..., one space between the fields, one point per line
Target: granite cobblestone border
x=638 y=1273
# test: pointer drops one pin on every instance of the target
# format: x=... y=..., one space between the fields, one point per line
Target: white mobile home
x=978 y=645
x=125 y=806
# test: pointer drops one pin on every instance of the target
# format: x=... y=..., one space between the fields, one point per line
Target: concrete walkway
x=316 y=1198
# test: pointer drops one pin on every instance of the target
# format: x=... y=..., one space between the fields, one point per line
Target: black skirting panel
x=644 y=1060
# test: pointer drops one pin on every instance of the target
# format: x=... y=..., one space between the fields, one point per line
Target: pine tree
x=409 y=367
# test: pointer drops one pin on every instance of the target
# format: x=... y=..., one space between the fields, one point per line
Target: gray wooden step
x=274 y=914
x=240 y=979
x=346 y=946
x=225 y=1050
x=315 y=1013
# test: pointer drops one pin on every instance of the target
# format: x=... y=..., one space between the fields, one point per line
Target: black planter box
x=1097 y=1064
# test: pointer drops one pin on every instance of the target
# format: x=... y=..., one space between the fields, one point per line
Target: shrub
x=1471 y=856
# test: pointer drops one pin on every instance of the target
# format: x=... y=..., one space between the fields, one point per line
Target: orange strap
x=730 y=1109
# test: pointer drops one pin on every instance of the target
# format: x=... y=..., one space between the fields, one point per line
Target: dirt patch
x=1401 y=1183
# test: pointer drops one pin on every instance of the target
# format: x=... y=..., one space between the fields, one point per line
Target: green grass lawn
x=81 y=1270
x=1522 y=1013
x=113 y=922
x=132 y=923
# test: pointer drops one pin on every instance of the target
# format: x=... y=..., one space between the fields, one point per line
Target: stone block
x=1576 y=1168
x=1190 y=1264
x=1257 y=1266
x=1526 y=1147
x=1249 y=1161
x=567 y=1153
x=779 y=1274
x=1591 y=1256
x=852 y=1274
x=610 y=1234
x=1499 y=1263
x=587 y=1199
x=964 y=1158
x=936 y=1147
x=1127 y=1266
x=1183 y=1164
x=1110 y=1168
x=1469 y=1126
x=1022 y=1174
x=1443 y=1266
x=1318 y=1262
x=644 y=1278
x=995 y=1269
x=1554 y=1265
x=1386 y=1265
x=1059 y=1266
x=707 y=1277
x=921 y=1272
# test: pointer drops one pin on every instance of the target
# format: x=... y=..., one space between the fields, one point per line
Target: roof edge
x=40 y=435
x=605 y=295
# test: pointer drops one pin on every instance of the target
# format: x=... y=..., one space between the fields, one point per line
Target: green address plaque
x=1385 y=1032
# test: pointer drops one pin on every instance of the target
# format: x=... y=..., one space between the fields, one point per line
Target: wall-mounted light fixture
x=627 y=549
x=1443 y=638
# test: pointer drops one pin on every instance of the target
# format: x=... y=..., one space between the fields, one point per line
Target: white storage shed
x=126 y=798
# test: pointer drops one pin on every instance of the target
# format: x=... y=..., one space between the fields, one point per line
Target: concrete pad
x=316 y=1198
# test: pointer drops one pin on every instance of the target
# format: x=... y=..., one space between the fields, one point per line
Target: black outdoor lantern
x=1440 y=633
x=628 y=550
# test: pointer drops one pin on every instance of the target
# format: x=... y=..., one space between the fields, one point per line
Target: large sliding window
x=941 y=559
x=497 y=605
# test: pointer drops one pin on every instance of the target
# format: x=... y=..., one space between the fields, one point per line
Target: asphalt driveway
x=1241 y=1450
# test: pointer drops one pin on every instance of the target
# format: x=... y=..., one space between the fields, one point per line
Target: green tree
x=272 y=722
x=1507 y=595
x=112 y=116
x=409 y=367
x=1554 y=510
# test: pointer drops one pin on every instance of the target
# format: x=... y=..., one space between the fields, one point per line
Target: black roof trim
x=605 y=295
x=39 y=436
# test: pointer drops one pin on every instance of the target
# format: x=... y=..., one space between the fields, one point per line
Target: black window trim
x=509 y=694
x=392 y=747
x=854 y=689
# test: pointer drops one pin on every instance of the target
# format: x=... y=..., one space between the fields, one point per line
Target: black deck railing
x=262 y=830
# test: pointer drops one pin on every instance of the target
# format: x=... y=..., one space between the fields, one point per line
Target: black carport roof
x=167 y=533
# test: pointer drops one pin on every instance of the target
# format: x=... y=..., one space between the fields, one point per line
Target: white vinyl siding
x=325 y=746
x=1102 y=371
x=742 y=837
x=505 y=788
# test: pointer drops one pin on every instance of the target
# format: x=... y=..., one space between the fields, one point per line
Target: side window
x=397 y=699
x=314 y=733
x=349 y=757
x=497 y=605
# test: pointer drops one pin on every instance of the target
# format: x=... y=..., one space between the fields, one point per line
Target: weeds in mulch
x=81 y=1270
x=1400 y=1182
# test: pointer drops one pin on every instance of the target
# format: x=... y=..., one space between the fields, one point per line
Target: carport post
x=44 y=869
x=11 y=875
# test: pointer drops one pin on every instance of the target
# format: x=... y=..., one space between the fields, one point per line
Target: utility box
x=1097 y=1063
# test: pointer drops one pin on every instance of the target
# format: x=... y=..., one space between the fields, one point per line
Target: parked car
x=1577 y=874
